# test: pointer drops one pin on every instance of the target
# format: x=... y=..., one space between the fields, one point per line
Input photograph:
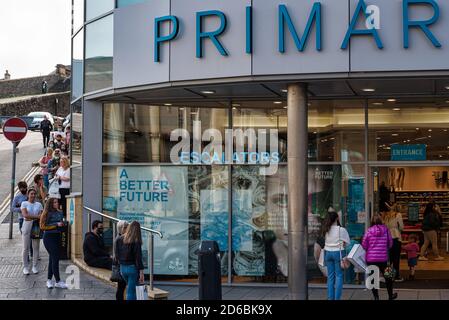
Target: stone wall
x=57 y=104
x=33 y=86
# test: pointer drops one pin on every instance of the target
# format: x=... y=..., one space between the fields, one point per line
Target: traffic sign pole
x=13 y=184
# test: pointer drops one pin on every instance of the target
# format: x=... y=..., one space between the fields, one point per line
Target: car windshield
x=37 y=114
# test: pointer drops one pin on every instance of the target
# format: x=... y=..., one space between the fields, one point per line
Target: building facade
x=243 y=121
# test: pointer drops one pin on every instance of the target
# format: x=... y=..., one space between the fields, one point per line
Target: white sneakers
x=35 y=270
x=60 y=285
x=26 y=271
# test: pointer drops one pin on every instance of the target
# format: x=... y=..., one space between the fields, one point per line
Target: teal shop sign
x=72 y=210
x=408 y=152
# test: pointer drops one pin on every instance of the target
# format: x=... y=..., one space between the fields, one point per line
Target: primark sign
x=164 y=41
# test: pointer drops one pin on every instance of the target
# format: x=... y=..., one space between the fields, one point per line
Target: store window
x=78 y=14
x=78 y=65
x=408 y=130
x=124 y=3
x=341 y=187
x=259 y=225
x=141 y=133
x=95 y=8
x=336 y=130
x=186 y=203
x=99 y=54
x=76 y=131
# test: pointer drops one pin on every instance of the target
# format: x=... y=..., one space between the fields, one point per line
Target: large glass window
x=99 y=53
x=78 y=65
x=141 y=133
x=408 y=130
x=341 y=187
x=78 y=14
x=95 y=8
x=76 y=131
x=124 y=3
x=336 y=130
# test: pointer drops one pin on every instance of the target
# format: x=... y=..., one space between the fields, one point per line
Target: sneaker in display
x=423 y=259
x=26 y=271
x=439 y=258
x=35 y=270
x=50 y=284
x=61 y=285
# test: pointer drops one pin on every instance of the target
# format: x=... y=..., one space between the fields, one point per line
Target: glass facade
x=98 y=55
x=95 y=8
x=78 y=65
x=78 y=14
x=76 y=122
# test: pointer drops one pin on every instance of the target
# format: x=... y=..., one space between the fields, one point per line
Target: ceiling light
x=378 y=138
x=236 y=105
x=396 y=109
x=391 y=100
x=234 y=108
x=378 y=104
x=395 y=134
x=445 y=130
x=430 y=130
x=167 y=104
x=284 y=90
x=368 y=90
x=285 y=107
x=181 y=109
x=277 y=102
x=208 y=92
x=447 y=87
x=417 y=128
x=430 y=136
x=440 y=156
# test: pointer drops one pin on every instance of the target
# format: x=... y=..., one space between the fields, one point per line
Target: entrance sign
x=408 y=152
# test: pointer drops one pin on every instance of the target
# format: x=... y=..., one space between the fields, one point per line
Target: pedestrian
x=94 y=250
x=377 y=243
x=46 y=127
x=53 y=164
x=128 y=251
x=121 y=284
x=63 y=178
x=336 y=238
x=67 y=139
x=18 y=200
x=31 y=212
x=412 y=249
x=431 y=225
x=41 y=191
x=395 y=224
x=43 y=163
x=58 y=143
x=51 y=222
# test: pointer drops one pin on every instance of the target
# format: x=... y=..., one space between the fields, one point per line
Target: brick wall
x=33 y=86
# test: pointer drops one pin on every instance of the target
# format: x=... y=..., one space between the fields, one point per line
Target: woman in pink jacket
x=377 y=242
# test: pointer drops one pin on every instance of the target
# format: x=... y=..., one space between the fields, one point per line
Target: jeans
x=52 y=242
x=26 y=238
x=334 y=274
x=130 y=274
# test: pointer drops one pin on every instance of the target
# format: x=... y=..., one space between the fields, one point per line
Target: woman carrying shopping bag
x=377 y=243
x=336 y=238
x=128 y=252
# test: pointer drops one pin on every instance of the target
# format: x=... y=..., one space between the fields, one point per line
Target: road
x=30 y=150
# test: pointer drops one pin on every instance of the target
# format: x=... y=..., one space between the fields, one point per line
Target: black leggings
x=388 y=282
x=52 y=242
x=395 y=256
x=64 y=192
x=121 y=287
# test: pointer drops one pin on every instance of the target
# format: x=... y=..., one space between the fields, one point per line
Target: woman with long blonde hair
x=52 y=219
x=63 y=178
x=395 y=224
x=128 y=252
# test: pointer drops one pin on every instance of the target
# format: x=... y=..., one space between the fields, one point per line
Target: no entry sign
x=15 y=129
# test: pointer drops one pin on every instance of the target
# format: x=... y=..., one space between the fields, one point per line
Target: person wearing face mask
x=95 y=253
x=17 y=202
x=53 y=164
x=59 y=143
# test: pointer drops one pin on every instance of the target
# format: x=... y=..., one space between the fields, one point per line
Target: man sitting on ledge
x=95 y=253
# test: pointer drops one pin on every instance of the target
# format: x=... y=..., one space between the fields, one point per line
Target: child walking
x=412 y=249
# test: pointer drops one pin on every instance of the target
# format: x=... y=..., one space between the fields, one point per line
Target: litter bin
x=209 y=271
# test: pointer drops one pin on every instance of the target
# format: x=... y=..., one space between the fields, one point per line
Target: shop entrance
x=409 y=189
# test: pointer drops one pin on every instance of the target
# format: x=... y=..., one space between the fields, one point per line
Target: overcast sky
x=34 y=36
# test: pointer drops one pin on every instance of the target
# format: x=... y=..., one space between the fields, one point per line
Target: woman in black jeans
x=121 y=284
x=51 y=221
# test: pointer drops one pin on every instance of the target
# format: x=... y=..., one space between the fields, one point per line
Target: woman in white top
x=336 y=238
x=63 y=178
x=31 y=212
x=394 y=222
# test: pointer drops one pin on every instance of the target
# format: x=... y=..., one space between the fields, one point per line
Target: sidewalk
x=15 y=285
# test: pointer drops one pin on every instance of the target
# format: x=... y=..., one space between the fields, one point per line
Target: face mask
x=100 y=231
x=23 y=192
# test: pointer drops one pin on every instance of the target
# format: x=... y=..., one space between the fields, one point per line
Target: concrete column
x=297 y=191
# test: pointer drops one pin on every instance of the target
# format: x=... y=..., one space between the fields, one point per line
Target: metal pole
x=151 y=258
x=13 y=184
x=297 y=191
x=89 y=220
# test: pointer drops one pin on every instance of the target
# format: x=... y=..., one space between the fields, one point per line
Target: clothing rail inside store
x=114 y=220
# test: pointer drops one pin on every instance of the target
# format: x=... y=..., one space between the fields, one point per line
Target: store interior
x=412 y=188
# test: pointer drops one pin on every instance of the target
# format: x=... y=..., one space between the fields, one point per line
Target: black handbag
x=36 y=232
x=116 y=276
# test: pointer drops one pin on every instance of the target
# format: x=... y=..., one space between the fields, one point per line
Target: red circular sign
x=15 y=129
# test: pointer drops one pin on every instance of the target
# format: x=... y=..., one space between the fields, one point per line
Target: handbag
x=116 y=275
x=141 y=292
x=36 y=232
x=53 y=190
x=344 y=262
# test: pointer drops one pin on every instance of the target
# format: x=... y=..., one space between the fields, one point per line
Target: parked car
x=38 y=117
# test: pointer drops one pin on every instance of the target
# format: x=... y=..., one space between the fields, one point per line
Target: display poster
x=356 y=199
x=214 y=217
x=413 y=212
x=156 y=197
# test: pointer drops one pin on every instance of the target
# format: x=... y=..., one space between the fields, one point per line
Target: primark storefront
x=242 y=121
